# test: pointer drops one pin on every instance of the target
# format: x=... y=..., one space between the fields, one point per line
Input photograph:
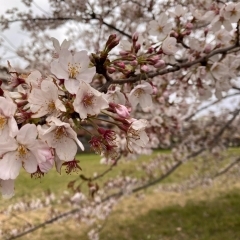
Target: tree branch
x=174 y=68
x=52 y=19
x=209 y=105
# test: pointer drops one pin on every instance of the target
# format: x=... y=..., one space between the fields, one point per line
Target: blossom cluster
x=40 y=118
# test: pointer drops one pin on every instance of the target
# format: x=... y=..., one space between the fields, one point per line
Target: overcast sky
x=15 y=36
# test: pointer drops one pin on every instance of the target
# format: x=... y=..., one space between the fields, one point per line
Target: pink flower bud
x=135 y=37
x=114 y=43
x=208 y=49
x=159 y=64
x=134 y=63
x=120 y=64
x=155 y=90
x=144 y=68
x=150 y=50
x=154 y=59
x=189 y=26
x=111 y=38
x=129 y=57
x=137 y=47
x=111 y=70
x=174 y=34
x=123 y=53
x=122 y=111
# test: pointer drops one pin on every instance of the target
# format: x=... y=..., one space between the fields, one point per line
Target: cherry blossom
x=161 y=27
x=60 y=136
x=116 y=96
x=45 y=101
x=136 y=135
x=73 y=68
x=8 y=125
x=88 y=101
x=169 y=46
x=20 y=151
x=141 y=94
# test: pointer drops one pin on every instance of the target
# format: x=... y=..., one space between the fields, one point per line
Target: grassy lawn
x=216 y=219
x=211 y=213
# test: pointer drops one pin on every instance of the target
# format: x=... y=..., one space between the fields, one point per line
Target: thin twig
x=209 y=105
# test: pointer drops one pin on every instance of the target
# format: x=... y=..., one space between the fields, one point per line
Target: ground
x=203 y=213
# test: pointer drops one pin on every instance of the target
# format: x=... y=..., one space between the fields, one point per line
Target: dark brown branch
x=174 y=68
x=227 y=168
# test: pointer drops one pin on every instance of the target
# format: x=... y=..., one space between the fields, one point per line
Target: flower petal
x=9 y=166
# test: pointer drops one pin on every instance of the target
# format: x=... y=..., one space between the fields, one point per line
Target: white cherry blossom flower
x=136 y=135
x=169 y=45
x=73 y=69
x=220 y=20
x=61 y=137
x=219 y=70
x=232 y=12
x=8 y=124
x=116 y=96
x=141 y=94
x=88 y=101
x=161 y=27
x=223 y=36
x=45 y=101
x=20 y=151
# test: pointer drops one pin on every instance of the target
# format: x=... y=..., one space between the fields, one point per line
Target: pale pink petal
x=65 y=58
x=30 y=163
x=7 y=145
x=13 y=128
x=58 y=164
x=72 y=85
x=87 y=75
x=82 y=58
x=27 y=134
x=66 y=149
x=73 y=135
x=145 y=101
x=7 y=107
x=65 y=44
x=56 y=44
x=10 y=166
x=58 y=71
x=46 y=166
x=59 y=105
x=50 y=88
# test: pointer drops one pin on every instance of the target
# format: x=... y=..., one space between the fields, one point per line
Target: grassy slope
x=202 y=214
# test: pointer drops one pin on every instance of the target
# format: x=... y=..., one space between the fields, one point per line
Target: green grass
x=201 y=214
x=27 y=187
x=205 y=220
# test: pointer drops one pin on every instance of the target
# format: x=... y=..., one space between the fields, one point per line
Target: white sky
x=15 y=36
